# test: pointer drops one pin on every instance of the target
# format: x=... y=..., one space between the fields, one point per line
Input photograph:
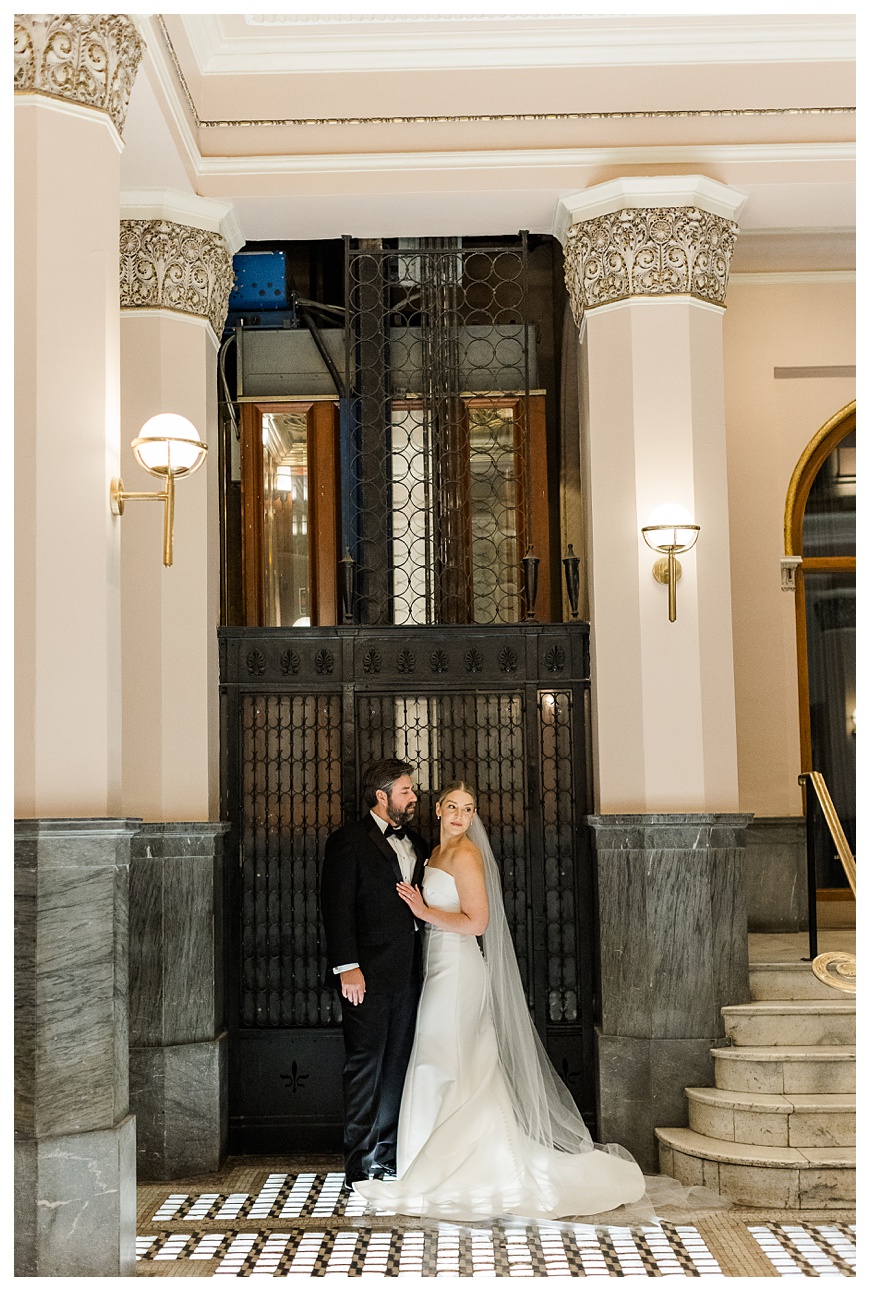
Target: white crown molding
x=26 y=100
x=797 y=277
x=337 y=43
x=184 y=208
x=645 y=192
x=132 y=316
x=525 y=158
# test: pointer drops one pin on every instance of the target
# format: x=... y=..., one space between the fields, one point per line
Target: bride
x=486 y=1126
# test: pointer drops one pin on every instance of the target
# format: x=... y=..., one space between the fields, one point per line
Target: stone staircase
x=778 y=1129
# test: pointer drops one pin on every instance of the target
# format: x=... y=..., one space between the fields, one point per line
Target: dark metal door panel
x=303 y=713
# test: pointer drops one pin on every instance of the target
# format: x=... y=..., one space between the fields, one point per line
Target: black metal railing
x=820 y=811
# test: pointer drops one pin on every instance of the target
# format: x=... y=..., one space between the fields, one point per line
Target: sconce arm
x=119 y=495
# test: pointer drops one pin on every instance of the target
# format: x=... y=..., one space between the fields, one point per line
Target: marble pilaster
x=178 y=1060
x=71 y=1049
x=776 y=874
x=673 y=951
x=646 y=266
x=175 y=278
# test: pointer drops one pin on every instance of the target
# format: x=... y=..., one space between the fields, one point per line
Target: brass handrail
x=834 y=967
x=832 y=820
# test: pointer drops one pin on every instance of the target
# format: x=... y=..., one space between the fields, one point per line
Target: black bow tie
x=392 y=832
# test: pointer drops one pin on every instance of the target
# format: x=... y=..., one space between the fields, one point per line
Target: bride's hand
x=413 y=898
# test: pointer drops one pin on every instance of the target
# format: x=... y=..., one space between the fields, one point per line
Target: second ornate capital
x=656 y=251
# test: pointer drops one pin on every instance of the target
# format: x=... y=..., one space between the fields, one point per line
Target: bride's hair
x=461 y=785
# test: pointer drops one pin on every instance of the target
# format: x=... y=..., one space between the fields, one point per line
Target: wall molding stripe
x=796 y=277
x=243 y=123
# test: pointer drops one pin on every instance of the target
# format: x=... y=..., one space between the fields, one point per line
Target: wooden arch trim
x=816 y=452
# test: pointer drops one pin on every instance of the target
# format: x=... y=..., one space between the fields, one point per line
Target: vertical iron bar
x=812 y=925
x=369 y=304
x=527 y=492
x=346 y=407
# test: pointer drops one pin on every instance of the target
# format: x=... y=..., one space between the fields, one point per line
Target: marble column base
x=180 y=1095
x=776 y=874
x=75 y=1150
x=673 y=950
x=75 y=1204
x=641 y=1087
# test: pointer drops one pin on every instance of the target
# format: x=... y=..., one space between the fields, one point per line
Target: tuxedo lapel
x=421 y=853
x=384 y=848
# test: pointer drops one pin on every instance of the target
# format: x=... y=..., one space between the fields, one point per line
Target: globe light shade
x=169 y=444
x=670 y=527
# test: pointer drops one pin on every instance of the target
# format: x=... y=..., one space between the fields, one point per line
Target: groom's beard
x=401 y=819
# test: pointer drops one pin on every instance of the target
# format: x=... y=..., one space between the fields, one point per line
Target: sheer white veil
x=544 y=1108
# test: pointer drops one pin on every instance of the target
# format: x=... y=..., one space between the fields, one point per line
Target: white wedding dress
x=461 y=1152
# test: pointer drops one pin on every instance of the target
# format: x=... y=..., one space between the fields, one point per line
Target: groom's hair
x=382 y=775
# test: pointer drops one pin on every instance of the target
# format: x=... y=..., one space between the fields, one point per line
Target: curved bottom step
x=784 y=1178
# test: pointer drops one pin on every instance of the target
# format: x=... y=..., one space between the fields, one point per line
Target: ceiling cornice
x=525 y=158
x=306 y=43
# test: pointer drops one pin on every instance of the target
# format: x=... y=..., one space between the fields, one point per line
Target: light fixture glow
x=168 y=446
x=669 y=530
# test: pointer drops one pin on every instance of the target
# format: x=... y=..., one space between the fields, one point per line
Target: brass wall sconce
x=670 y=531
x=167 y=446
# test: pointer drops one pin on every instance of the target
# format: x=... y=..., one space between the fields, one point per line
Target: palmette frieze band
x=173 y=266
x=658 y=251
x=87 y=58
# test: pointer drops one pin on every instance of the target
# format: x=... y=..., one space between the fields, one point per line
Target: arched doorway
x=820 y=528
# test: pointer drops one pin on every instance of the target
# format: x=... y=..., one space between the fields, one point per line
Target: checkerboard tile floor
x=301 y=1223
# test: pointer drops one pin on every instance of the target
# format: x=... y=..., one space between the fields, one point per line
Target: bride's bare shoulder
x=468 y=855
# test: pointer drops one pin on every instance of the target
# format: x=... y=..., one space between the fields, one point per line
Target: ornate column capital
x=87 y=58
x=655 y=236
x=165 y=265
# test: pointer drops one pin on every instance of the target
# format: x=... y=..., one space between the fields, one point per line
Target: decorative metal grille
x=290 y=803
x=557 y=785
x=439 y=362
x=303 y=713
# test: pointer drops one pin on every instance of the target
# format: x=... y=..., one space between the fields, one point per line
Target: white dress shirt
x=407 y=858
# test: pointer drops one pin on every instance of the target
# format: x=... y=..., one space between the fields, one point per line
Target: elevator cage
x=393 y=470
x=436 y=460
x=302 y=714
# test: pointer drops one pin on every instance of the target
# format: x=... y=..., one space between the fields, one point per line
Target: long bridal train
x=462 y=1153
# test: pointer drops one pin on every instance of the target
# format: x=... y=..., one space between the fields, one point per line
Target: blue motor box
x=261 y=281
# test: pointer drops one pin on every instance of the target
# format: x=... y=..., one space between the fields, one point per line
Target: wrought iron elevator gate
x=302 y=713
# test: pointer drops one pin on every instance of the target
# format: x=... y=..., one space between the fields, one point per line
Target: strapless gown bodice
x=461 y=1153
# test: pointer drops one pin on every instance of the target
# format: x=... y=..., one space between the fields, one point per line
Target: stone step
x=774 y=1120
x=786 y=1069
x=750 y=1175
x=788 y=981
x=790 y=1022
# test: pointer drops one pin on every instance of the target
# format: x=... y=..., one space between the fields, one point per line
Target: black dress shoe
x=383 y=1172
x=351 y=1179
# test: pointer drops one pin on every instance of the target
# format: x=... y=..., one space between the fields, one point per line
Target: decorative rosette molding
x=174 y=266
x=656 y=251
x=88 y=58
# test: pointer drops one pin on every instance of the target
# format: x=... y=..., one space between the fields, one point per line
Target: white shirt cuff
x=343 y=968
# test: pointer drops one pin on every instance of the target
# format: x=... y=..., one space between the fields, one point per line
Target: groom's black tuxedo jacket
x=366 y=920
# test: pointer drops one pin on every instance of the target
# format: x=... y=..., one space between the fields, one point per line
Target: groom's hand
x=353 y=985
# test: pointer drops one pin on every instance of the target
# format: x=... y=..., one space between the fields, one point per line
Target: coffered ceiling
x=318 y=125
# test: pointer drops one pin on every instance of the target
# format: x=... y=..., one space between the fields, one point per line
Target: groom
x=374 y=958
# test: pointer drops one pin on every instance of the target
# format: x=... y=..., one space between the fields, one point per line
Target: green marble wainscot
x=178 y=1044
x=673 y=949
x=75 y=1157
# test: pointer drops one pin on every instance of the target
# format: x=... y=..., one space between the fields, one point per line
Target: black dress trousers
x=378 y=1038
